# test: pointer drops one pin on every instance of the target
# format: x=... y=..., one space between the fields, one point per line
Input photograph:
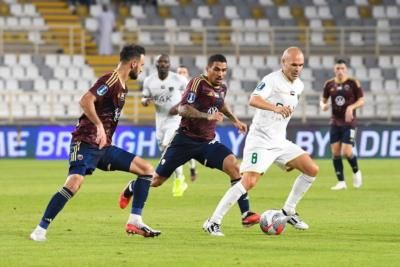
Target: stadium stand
x=48 y=53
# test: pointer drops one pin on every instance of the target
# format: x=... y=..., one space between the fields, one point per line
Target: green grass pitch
x=347 y=228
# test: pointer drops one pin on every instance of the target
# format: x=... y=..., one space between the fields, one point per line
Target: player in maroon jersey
x=91 y=143
x=346 y=96
x=201 y=107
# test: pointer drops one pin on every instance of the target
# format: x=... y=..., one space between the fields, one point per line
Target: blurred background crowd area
x=52 y=51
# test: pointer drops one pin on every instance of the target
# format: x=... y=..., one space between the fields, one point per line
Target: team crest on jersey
x=102 y=90
x=340 y=100
x=292 y=92
x=346 y=87
x=260 y=86
x=191 y=98
x=171 y=89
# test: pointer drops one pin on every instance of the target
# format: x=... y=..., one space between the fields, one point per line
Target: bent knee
x=231 y=167
x=148 y=169
x=249 y=181
x=74 y=182
x=157 y=181
x=313 y=170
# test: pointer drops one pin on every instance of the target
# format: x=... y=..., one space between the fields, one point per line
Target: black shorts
x=343 y=134
x=84 y=158
x=184 y=148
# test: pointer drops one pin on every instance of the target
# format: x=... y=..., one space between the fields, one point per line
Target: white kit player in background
x=274 y=98
x=165 y=89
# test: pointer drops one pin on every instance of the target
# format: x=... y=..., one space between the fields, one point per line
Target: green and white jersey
x=269 y=127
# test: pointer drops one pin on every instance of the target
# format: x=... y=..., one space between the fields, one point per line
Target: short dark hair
x=131 y=51
x=341 y=61
x=216 y=58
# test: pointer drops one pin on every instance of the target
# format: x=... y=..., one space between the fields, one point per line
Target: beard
x=133 y=74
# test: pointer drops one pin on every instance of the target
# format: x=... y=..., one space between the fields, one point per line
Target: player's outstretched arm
x=174 y=110
x=188 y=111
x=236 y=122
x=146 y=101
x=258 y=102
x=87 y=104
x=323 y=104
x=350 y=109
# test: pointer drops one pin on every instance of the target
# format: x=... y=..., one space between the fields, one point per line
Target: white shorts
x=164 y=137
x=258 y=159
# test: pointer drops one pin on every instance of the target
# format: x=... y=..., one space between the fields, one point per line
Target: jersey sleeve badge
x=260 y=86
x=102 y=90
x=191 y=98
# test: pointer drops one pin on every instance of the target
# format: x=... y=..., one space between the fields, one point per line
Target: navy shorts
x=184 y=148
x=343 y=134
x=84 y=158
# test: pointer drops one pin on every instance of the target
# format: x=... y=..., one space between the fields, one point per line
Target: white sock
x=300 y=187
x=179 y=172
x=135 y=219
x=231 y=196
x=192 y=163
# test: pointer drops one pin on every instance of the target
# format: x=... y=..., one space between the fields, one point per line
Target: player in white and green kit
x=274 y=98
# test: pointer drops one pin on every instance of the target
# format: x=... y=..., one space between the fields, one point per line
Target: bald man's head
x=292 y=62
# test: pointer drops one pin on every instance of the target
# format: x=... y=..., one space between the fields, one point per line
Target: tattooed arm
x=236 y=122
x=188 y=111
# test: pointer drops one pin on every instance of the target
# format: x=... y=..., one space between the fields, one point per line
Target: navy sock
x=140 y=192
x=243 y=201
x=55 y=205
x=353 y=163
x=128 y=192
x=338 y=165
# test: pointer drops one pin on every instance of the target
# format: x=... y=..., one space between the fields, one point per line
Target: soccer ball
x=273 y=222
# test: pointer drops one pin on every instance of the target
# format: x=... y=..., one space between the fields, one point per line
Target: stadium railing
x=68 y=39
x=205 y=40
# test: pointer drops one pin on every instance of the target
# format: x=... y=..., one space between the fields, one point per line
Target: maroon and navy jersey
x=204 y=97
x=110 y=99
x=342 y=95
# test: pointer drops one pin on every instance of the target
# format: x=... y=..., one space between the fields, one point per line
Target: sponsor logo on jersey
x=260 y=86
x=212 y=110
x=161 y=99
x=102 y=90
x=191 y=98
x=340 y=100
